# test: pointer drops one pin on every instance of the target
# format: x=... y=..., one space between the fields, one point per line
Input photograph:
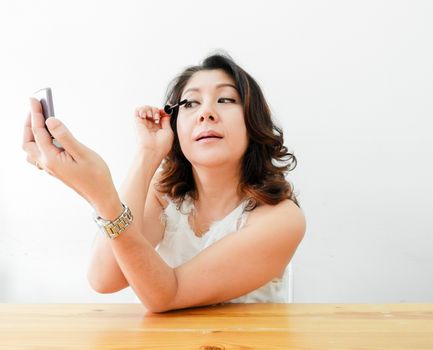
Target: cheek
x=238 y=137
x=184 y=135
x=237 y=127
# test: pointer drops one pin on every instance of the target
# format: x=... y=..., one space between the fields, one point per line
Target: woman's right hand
x=154 y=130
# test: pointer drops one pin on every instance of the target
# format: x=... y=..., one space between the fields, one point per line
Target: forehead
x=208 y=79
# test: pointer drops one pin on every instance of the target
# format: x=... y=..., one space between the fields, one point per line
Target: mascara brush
x=169 y=109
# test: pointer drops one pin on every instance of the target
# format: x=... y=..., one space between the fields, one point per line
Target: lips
x=208 y=134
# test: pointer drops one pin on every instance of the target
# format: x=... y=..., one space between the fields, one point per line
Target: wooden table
x=229 y=326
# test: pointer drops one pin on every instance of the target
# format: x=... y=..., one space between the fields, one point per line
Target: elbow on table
x=103 y=288
x=158 y=304
x=156 y=307
x=99 y=288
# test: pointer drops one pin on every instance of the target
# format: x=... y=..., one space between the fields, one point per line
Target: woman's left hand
x=76 y=165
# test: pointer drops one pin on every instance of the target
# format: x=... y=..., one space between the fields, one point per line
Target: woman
x=218 y=222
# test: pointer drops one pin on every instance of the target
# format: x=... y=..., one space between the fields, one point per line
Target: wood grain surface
x=227 y=326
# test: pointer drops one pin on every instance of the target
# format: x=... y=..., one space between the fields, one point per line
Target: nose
x=207 y=116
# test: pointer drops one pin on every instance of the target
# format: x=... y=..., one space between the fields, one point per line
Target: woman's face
x=214 y=105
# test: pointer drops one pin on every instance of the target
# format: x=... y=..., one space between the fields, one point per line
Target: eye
x=227 y=99
x=188 y=104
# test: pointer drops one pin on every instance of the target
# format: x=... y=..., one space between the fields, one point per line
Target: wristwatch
x=113 y=228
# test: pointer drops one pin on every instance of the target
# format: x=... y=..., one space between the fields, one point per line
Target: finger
x=145 y=112
x=139 y=111
x=165 y=123
x=165 y=120
x=28 y=133
x=155 y=111
x=61 y=133
x=156 y=115
x=41 y=135
x=150 y=115
x=163 y=114
x=32 y=160
x=32 y=150
x=38 y=166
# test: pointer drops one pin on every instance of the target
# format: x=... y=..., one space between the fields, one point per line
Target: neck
x=217 y=188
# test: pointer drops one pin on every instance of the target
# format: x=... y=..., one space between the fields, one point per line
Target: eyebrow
x=216 y=86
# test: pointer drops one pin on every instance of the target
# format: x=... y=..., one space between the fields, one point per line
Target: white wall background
x=351 y=82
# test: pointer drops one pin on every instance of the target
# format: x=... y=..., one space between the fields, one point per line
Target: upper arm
x=242 y=261
x=153 y=227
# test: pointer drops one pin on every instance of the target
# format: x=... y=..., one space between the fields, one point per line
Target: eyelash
x=187 y=105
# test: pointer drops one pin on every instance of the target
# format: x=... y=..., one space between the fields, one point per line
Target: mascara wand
x=169 y=109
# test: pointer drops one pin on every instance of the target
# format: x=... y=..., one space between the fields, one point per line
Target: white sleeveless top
x=180 y=244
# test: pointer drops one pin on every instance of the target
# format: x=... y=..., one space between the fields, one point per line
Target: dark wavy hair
x=266 y=160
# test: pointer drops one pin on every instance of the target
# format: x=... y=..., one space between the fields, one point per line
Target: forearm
x=153 y=281
x=104 y=273
x=135 y=187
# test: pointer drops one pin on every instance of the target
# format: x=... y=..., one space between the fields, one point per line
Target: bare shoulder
x=285 y=212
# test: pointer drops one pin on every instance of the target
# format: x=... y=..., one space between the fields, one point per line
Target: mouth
x=209 y=138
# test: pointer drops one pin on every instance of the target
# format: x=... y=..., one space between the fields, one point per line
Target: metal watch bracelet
x=112 y=229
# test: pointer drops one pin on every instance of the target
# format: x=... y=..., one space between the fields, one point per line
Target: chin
x=210 y=161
